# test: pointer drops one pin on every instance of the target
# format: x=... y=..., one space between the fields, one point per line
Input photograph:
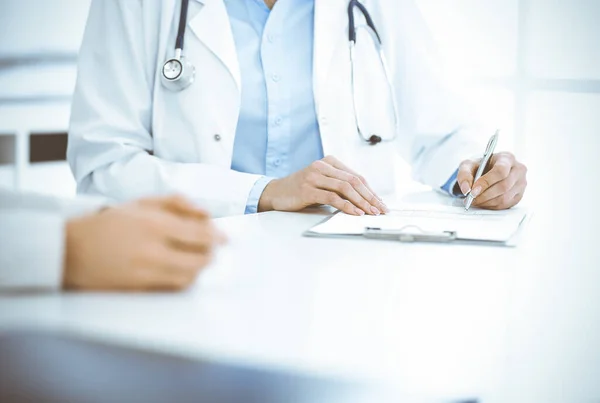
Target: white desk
x=511 y=325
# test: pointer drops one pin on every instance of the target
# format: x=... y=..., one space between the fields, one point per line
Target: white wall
x=39 y=41
x=46 y=29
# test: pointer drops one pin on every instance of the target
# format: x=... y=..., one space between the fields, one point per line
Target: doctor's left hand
x=326 y=181
x=501 y=187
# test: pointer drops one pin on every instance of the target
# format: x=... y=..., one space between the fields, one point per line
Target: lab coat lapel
x=331 y=29
x=211 y=25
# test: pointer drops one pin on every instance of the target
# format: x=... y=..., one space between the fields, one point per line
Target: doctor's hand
x=501 y=187
x=151 y=244
x=326 y=181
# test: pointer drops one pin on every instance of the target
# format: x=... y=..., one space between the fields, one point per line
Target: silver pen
x=489 y=151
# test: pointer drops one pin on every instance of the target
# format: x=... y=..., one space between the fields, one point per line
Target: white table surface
x=507 y=324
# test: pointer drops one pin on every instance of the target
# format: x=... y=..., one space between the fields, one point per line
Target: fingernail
x=375 y=210
x=385 y=207
x=465 y=188
x=360 y=212
x=475 y=192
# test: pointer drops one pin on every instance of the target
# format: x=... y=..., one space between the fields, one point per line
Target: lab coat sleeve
x=448 y=187
x=32 y=238
x=436 y=131
x=256 y=193
x=110 y=142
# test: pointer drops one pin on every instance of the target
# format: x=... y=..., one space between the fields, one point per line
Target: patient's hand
x=151 y=244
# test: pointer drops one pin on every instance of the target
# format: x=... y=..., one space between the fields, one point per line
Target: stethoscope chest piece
x=178 y=74
x=374 y=139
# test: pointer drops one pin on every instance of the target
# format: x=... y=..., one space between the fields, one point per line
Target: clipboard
x=409 y=233
x=415 y=234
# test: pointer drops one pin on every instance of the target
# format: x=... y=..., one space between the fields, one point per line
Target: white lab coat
x=32 y=237
x=132 y=137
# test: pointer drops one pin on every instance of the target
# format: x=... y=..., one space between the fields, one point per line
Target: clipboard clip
x=409 y=233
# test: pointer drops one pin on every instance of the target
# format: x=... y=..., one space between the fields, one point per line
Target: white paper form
x=475 y=224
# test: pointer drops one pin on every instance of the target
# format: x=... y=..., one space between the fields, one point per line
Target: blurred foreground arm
x=46 y=242
x=152 y=244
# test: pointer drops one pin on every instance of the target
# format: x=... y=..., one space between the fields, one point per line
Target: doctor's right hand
x=152 y=244
x=326 y=181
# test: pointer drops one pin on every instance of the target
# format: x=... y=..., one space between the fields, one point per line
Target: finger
x=189 y=233
x=346 y=191
x=171 y=281
x=181 y=205
x=506 y=200
x=343 y=167
x=160 y=267
x=158 y=272
x=466 y=174
x=165 y=280
x=518 y=197
x=332 y=172
x=501 y=166
x=320 y=196
x=499 y=188
x=183 y=264
x=340 y=165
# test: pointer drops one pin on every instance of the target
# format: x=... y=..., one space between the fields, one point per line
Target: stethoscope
x=178 y=73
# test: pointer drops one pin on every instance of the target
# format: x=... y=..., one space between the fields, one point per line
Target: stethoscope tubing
x=179 y=43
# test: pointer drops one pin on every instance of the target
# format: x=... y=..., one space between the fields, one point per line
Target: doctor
x=257 y=105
